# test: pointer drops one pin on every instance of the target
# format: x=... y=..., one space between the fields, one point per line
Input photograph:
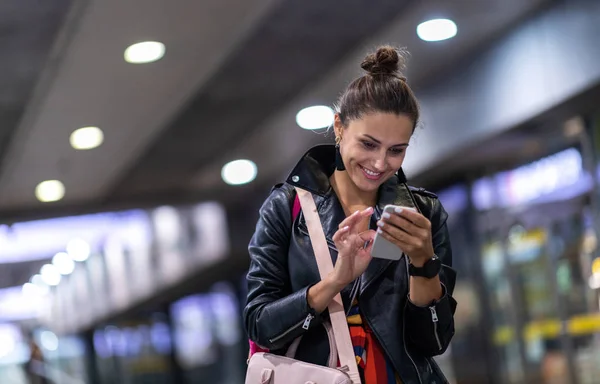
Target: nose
x=379 y=163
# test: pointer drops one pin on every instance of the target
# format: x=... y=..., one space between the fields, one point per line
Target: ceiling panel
x=235 y=74
x=93 y=85
x=28 y=29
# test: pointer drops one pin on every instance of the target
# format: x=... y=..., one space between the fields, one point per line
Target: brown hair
x=382 y=89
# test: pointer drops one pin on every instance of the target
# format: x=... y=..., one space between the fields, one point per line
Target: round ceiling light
x=31 y=290
x=49 y=191
x=316 y=117
x=437 y=30
x=63 y=263
x=239 y=172
x=50 y=275
x=78 y=250
x=86 y=138
x=39 y=283
x=144 y=52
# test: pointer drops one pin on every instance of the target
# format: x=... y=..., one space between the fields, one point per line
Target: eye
x=368 y=145
x=396 y=151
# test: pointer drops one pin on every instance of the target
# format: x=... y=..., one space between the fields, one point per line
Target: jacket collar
x=313 y=170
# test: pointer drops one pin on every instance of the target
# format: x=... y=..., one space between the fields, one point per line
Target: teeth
x=371 y=173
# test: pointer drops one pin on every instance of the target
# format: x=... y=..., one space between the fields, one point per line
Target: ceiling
x=234 y=75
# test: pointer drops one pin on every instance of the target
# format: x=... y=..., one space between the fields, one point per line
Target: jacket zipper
x=434 y=319
x=305 y=323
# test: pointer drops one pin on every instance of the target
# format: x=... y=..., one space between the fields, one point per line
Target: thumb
x=367 y=238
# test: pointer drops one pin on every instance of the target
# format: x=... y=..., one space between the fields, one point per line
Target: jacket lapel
x=392 y=192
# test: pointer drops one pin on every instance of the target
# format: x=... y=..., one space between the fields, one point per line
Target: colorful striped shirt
x=373 y=365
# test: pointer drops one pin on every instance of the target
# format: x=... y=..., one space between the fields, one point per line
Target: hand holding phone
x=382 y=247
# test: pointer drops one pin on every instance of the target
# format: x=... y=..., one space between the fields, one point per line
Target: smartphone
x=382 y=248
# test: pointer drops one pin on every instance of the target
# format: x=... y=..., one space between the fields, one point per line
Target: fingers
x=414 y=217
x=367 y=235
x=400 y=222
x=354 y=218
x=340 y=233
x=399 y=237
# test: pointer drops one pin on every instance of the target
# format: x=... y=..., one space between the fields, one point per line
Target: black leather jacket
x=283 y=267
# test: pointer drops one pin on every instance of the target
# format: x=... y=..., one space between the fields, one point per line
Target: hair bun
x=386 y=61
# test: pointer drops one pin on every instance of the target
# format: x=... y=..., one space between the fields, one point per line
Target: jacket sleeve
x=429 y=329
x=274 y=315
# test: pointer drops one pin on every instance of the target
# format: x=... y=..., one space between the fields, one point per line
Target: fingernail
x=386 y=216
x=380 y=224
x=398 y=210
x=379 y=231
x=369 y=210
x=346 y=228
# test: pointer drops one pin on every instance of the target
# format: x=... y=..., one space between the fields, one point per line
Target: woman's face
x=373 y=147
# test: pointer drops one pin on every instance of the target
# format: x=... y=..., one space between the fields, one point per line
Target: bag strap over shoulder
x=337 y=314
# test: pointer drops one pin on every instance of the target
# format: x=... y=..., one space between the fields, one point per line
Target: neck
x=347 y=192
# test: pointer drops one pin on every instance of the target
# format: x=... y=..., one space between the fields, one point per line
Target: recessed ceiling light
x=30 y=289
x=50 y=274
x=50 y=190
x=63 y=263
x=437 y=30
x=78 y=249
x=316 y=117
x=86 y=138
x=144 y=52
x=39 y=282
x=239 y=172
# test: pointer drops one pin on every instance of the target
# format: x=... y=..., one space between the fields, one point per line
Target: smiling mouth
x=371 y=175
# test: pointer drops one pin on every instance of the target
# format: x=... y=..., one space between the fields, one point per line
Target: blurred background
x=139 y=138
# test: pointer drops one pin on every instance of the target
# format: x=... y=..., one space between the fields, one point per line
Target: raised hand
x=353 y=257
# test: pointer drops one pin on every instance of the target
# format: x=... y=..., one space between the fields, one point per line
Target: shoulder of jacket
x=276 y=186
x=283 y=191
x=284 y=187
x=423 y=192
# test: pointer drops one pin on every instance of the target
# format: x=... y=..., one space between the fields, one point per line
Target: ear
x=338 y=126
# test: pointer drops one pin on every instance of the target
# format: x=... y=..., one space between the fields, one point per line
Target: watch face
x=432 y=267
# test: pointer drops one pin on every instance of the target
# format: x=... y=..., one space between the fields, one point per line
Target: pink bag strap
x=337 y=314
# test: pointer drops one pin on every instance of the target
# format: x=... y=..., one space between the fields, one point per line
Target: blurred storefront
x=98 y=321
x=530 y=272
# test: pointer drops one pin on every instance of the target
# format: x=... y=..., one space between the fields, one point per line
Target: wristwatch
x=430 y=269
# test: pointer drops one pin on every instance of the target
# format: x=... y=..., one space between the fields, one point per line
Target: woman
x=400 y=312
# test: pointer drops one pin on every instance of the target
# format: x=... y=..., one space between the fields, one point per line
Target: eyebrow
x=379 y=142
